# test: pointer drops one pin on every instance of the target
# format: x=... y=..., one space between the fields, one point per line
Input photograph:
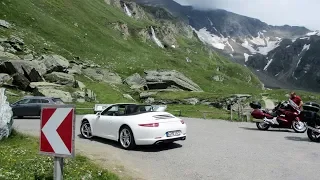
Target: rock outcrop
x=135 y=81
x=6 y=119
x=170 y=80
x=103 y=75
x=60 y=78
x=55 y=63
x=49 y=92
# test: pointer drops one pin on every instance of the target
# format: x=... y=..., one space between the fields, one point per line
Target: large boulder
x=103 y=75
x=4 y=23
x=55 y=63
x=60 y=78
x=6 y=114
x=75 y=69
x=135 y=81
x=21 y=66
x=50 y=92
x=32 y=70
x=170 y=79
x=21 y=81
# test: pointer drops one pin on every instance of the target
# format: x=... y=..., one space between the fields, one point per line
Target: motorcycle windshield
x=294 y=105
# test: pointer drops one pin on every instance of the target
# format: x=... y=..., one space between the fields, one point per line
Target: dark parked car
x=31 y=105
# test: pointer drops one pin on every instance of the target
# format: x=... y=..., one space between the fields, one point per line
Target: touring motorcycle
x=310 y=116
x=287 y=115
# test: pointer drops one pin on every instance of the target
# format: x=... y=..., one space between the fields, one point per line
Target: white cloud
x=274 y=12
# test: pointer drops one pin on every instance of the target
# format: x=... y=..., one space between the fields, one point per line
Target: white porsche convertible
x=132 y=124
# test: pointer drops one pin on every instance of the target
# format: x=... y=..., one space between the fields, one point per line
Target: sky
x=274 y=12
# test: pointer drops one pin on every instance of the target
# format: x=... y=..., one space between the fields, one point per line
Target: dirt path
x=269 y=104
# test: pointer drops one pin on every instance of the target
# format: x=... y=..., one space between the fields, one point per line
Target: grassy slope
x=52 y=22
x=19 y=159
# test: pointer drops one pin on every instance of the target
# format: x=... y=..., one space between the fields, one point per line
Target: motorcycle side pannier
x=257 y=114
x=310 y=117
x=255 y=105
x=311 y=106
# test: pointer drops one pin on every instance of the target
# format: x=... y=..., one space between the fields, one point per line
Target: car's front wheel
x=126 y=138
x=85 y=130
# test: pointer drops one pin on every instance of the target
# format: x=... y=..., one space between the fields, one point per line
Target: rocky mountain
x=271 y=52
x=295 y=61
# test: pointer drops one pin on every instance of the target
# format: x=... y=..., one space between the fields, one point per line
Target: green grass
x=19 y=159
x=185 y=95
x=198 y=111
x=280 y=95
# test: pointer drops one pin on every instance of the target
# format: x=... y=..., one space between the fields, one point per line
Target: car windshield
x=58 y=101
x=23 y=101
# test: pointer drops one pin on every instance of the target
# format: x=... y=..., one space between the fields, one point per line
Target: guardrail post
x=204 y=115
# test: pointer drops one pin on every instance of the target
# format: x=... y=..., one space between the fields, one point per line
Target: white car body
x=148 y=128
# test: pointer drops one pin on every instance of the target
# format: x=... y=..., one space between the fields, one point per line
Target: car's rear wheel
x=126 y=138
x=85 y=130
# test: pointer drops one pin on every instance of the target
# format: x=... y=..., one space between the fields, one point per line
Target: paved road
x=213 y=150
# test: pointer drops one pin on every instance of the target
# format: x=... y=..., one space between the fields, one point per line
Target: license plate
x=173 y=133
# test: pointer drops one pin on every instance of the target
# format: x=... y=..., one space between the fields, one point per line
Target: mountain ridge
x=252 y=43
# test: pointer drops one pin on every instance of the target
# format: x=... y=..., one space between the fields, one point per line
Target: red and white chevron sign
x=57 y=131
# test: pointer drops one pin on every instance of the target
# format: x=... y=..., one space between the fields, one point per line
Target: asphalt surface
x=213 y=150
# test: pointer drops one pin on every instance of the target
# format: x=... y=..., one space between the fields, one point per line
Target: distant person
x=296 y=99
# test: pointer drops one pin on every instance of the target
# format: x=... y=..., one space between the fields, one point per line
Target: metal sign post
x=57 y=132
x=58 y=168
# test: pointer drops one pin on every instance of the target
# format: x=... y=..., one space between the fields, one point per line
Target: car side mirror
x=98 y=114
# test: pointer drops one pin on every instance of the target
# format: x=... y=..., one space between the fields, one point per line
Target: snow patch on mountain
x=259 y=40
x=263 y=44
x=268 y=64
x=305 y=48
x=211 y=23
x=230 y=46
x=259 y=44
x=246 y=57
x=313 y=33
x=206 y=37
x=298 y=62
x=246 y=44
x=269 y=47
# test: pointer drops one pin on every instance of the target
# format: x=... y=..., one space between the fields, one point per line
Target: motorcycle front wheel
x=313 y=136
x=262 y=126
x=299 y=127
